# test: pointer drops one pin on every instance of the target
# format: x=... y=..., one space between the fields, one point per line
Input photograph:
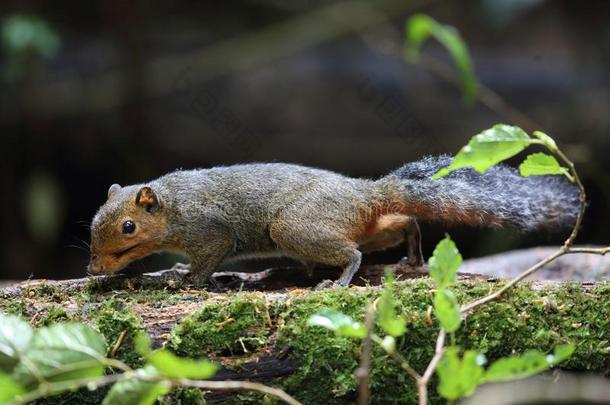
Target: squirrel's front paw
x=324 y=284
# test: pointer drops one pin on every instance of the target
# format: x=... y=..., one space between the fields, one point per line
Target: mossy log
x=264 y=336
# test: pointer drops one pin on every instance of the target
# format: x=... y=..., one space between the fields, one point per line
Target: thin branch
x=118 y=343
x=438 y=353
x=595 y=251
x=582 y=198
x=422 y=383
x=229 y=385
x=495 y=295
x=364 y=369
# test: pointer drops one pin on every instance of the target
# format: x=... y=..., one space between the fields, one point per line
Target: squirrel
x=316 y=216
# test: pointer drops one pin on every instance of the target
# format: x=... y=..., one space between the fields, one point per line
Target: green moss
x=14 y=306
x=327 y=362
x=524 y=319
x=184 y=396
x=113 y=320
x=82 y=396
x=227 y=324
x=235 y=326
x=53 y=315
x=42 y=290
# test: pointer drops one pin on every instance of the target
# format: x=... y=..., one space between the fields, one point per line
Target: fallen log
x=263 y=335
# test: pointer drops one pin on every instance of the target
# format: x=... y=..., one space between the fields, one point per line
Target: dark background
x=124 y=91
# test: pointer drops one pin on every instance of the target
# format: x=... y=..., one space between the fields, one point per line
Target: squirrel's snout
x=94 y=268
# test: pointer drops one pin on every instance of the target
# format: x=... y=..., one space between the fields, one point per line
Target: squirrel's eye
x=129 y=227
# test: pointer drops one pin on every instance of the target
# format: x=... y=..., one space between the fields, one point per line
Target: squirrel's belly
x=259 y=255
x=384 y=232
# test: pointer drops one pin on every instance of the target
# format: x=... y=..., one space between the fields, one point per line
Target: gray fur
x=525 y=202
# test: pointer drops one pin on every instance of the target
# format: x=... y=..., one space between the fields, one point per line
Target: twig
x=595 y=251
x=422 y=383
x=582 y=198
x=117 y=344
x=364 y=369
x=227 y=385
x=495 y=295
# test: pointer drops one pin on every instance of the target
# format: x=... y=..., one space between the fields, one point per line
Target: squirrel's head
x=129 y=226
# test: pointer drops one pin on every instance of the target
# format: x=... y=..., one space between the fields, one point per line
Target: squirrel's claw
x=324 y=284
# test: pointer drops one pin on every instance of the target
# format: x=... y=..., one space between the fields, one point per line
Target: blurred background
x=100 y=92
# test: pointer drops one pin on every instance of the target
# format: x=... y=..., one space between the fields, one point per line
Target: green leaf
x=529 y=363
x=561 y=353
x=472 y=372
x=444 y=263
x=142 y=344
x=420 y=27
x=448 y=369
x=391 y=323
x=488 y=148
x=447 y=310
x=172 y=366
x=64 y=352
x=134 y=392
x=342 y=324
x=389 y=344
x=459 y=377
x=546 y=140
x=15 y=338
x=538 y=164
x=9 y=388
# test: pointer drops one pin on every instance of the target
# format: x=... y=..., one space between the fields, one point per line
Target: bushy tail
x=500 y=196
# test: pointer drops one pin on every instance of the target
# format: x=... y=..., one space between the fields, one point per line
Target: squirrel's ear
x=113 y=189
x=148 y=199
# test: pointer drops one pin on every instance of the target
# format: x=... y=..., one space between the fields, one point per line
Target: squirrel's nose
x=92 y=269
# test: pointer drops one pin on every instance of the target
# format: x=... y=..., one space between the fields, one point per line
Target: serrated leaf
x=9 y=388
x=444 y=263
x=134 y=392
x=529 y=363
x=538 y=164
x=389 y=321
x=64 y=352
x=171 y=366
x=420 y=27
x=341 y=324
x=488 y=148
x=447 y=310
x=546 y=140
x=15 y=338
x=459 y=377
x=515 y=367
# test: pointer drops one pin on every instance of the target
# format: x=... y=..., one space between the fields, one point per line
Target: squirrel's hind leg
x=415 y=256
x=324 y=247
x=350 y=269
